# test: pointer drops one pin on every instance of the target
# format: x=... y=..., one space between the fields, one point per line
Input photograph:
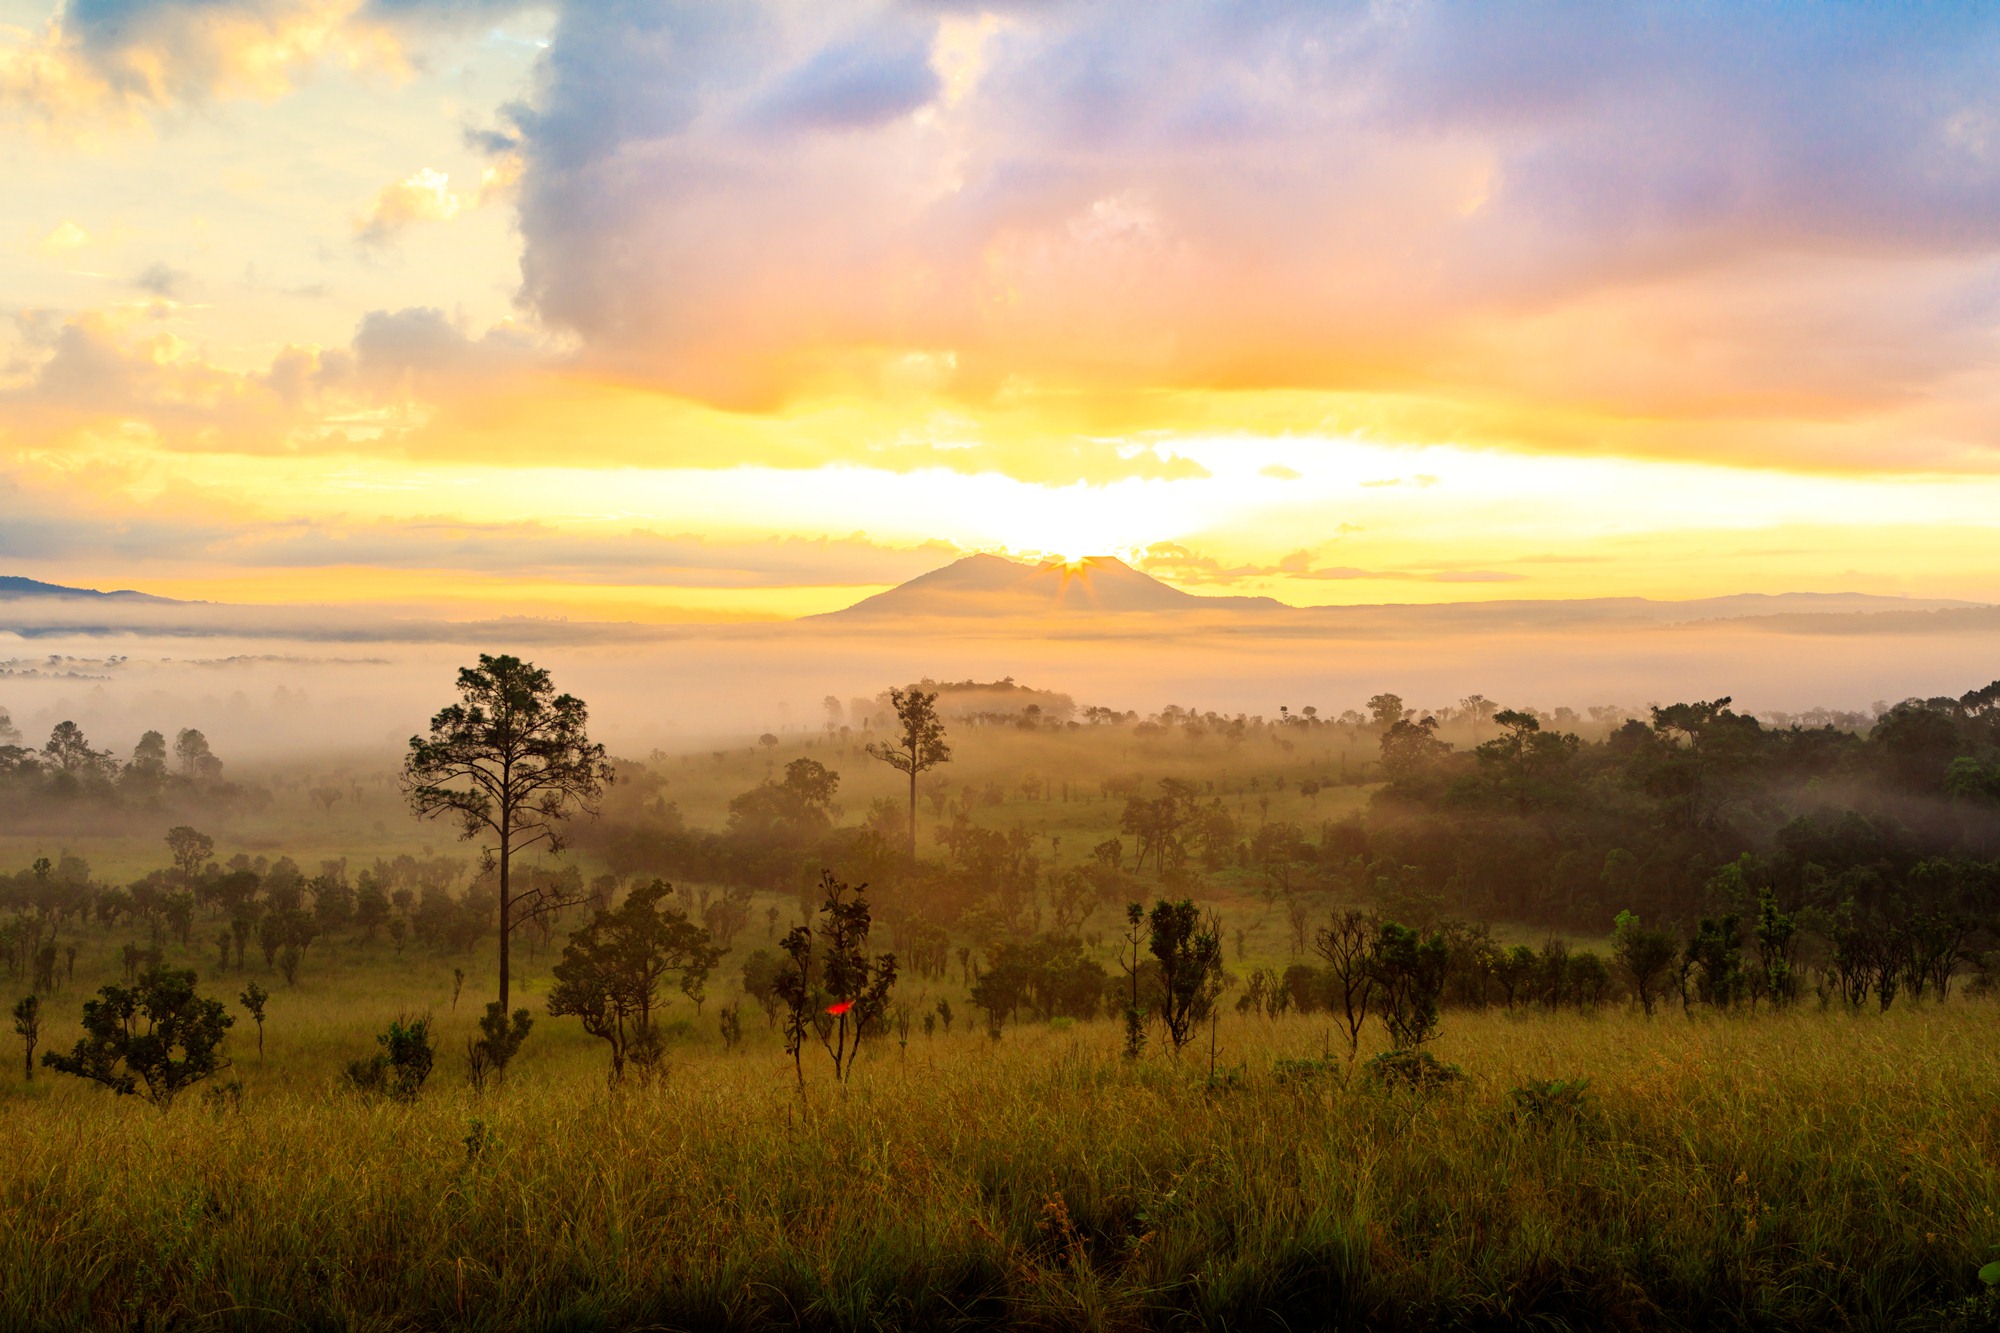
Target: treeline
x=67 y=773
x=258 y=912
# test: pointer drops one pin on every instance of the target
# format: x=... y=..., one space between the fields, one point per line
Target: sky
x=663 y=311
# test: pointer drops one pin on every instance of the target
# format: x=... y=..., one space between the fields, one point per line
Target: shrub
x=399 y=1069
x=1554 y=1101
x=1417 y=1070
x=156 y=1033
x=1409 y=971
x=1313 y=1069
x=498 y=1042
x=1188 y=949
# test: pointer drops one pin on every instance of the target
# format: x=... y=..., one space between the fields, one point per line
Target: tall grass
x=1803 y=1170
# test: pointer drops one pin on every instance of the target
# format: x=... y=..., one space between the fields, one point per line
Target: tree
x=1646 y=955
x=920 y=748
x=252 y=999
x=1129 y=961
x=190 y=851
x=797 y=806
x=1716 y=952
x=1775 y=930
x=512 y=759
x=68 y=751
x=1188 y=949
x=1410 y=970
x=832 y=988
x=197 y=763
x=148 y=768
x=1410 y=747
x=498 y=1042
x=611 y=970
x=1386 y=710
x=157 y=1032
x=399 y=1068
x=1345 y=942
x=28 y=1023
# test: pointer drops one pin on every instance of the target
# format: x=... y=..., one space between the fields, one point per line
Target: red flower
x=840 y=1008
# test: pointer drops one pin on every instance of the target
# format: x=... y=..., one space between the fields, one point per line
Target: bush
x=1418 y=1070
x=499 y=1040
x=1315 y=1069
x=132 y=1032
x=399 y=1069
x=1554 y=1101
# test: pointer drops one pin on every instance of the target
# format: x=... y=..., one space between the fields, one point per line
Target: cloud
x=758 y=205
x=1342 y=573
x=426 y=195
x=161 y=280
x=60 y=523
x=859 y=83
x=64 y=238
x=1279 y=472
x=120 y=60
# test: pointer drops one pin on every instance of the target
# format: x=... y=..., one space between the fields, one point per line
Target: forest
x=1397 y=1017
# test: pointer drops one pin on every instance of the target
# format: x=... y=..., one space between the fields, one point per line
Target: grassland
x=1803 y=1170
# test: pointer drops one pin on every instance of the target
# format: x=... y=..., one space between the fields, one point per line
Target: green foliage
x=28 y=1026
x=611 y=972
x=1419 y=1071
x=1188 y=949
x=156 y=1035
x=1714 y=957
x=253 y=999
x=1410 y=970
x=1049 y=975
x=1306 y=1071
x=499 y=1041
x=1647 y=957
x=1774 y=948
x=512 y=759
x=832 y=988
x=1554 y=1101
x=919 y=748
x=399 y=1068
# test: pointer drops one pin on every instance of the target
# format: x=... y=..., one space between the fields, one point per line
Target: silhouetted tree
x=1646 y=955
x=832 y=987
x=920 y=746
x=611 y=970
x=1188 y=949
x=157 y=1032
x=513 y=759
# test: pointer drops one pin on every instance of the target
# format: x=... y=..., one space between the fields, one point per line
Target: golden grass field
x=1798 y=1170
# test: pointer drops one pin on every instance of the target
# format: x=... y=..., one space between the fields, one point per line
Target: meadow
x=1804 y=1170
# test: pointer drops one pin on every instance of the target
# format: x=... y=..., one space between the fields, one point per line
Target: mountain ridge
x=977 y=584
x=990 y=585
x=13 y=586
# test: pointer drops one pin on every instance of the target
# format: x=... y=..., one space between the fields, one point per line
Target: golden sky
x=655 y=310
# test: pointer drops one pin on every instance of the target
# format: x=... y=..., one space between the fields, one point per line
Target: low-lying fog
x=265 y=697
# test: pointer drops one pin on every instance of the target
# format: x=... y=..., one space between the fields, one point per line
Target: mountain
x=14 y=587
x=989 y=585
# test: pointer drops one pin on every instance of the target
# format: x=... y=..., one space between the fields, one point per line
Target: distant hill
x=990 y=585
x=14 y=587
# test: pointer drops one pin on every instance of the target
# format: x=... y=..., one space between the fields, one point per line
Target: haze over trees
x=1347 y=915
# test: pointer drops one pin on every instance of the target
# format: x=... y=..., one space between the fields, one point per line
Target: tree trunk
x=506 y=902
x=913 y=806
